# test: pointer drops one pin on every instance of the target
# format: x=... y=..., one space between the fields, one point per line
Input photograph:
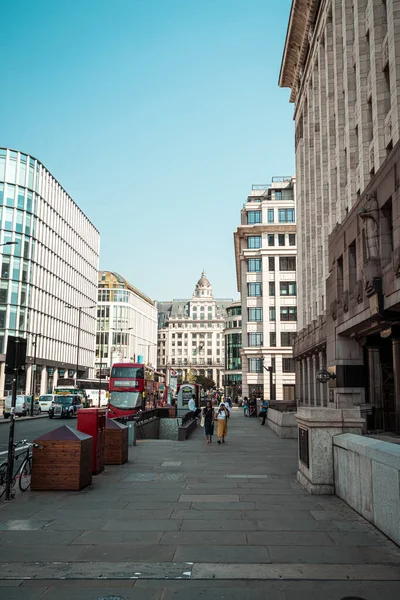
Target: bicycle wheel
x=25 y=475
x=3 y=478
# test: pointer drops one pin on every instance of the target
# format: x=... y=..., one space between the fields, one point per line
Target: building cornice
x=303 y=16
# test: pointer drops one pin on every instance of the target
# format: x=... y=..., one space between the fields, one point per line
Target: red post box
x=93 y=422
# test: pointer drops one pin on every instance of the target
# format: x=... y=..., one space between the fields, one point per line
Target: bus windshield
x=132 y=372
x=126 y=400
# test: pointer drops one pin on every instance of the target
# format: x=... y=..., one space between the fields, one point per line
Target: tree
x=190 y=377
x=206 y=382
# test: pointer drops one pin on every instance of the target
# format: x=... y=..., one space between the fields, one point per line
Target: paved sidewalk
x=190 y=519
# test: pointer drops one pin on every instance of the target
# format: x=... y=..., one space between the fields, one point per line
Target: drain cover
x=110 y=598
x=352 y=598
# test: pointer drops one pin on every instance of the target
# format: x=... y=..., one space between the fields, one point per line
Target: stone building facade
x=190 y=334
x=342 y=63
x=265 y=254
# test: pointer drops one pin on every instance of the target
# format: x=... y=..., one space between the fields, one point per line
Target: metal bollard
x=131 y=433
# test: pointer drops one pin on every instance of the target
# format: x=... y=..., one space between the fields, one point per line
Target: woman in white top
x=222 y=422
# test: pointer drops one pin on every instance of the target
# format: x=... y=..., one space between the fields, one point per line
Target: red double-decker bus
x=133 y=387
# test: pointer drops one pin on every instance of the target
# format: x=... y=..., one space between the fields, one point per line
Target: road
x=32 y=429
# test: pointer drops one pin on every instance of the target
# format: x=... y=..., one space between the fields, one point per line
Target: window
x=255 y=314
x=271 y=239
x=254 y=289
x=288 y=313
x=254 y=216
x=254 y=265
x=352 y=266
x=288 y=393
x=339 y=277
x=271 y=215
x=255 y=339
x=255 y=365
x=281 y=239
x=288 y=365
x=288 y=288
x=292 y=239
x=286 y=215
x=271 y=263
x=287 y=263
x=272 y=339
x=287 y=338
x=278 y=195
x=272 y=288
x=272 y=313
x=254 y=241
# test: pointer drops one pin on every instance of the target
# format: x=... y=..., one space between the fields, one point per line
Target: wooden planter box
x=65 y=463
x=116 y=445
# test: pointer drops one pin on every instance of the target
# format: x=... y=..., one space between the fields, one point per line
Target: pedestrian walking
x=222 y=422
x=245 y=406
x=208 y=416
x=264 y=411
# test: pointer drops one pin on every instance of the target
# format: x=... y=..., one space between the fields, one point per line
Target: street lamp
x=33 y=378
x=8 y=243
x=79 y=309
x=271 y=385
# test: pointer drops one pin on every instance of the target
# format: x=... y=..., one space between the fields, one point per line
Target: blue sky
x=156 y=116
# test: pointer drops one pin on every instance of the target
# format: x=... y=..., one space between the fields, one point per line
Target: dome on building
x=203 y=281
x=203 y=287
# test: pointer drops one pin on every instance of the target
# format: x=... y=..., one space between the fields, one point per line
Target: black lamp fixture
x=323 y=376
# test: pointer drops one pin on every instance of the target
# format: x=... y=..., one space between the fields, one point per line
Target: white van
x=23 y=406
x=46 y=401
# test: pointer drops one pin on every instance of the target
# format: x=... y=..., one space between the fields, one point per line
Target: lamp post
x=8 y=243
x=33 y=378
x=79 y=309
x=271 y=384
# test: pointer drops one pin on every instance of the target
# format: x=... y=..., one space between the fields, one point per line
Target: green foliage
x=190 y=377
x=206 y=382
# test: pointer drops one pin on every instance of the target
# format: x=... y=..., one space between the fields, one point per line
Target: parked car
x=23 y=406
x=46 y=401
x=65 y=406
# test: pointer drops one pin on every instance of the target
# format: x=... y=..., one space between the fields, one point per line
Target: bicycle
x=24 y=471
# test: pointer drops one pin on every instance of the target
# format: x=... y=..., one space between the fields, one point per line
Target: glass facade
x=233 y=345
x=51 y=260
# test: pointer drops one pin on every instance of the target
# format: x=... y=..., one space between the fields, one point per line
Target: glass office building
x=49 y=259
x=233 y=348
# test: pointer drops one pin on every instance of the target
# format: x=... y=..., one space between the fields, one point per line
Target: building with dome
x=190 y=333
x=126 y=324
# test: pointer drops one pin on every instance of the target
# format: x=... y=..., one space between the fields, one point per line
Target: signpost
x=15 y=360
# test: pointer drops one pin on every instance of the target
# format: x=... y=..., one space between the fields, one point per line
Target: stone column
x=306 y=398
x=323 y=387
x=375 y=388
x=43 y=381
x=396 y=374
x=309 y=381
x=299 y=383
x=2 y=378
x=314 y=382
x=55 y=378
x=28 y=380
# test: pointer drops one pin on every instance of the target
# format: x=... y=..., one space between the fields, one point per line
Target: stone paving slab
x=235 y=511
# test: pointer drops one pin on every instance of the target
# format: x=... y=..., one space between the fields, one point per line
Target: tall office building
x=190 y=333
x=233 y=350
x=342 y=64
x=265 y=254
x=49 y=269
x=126 y=324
